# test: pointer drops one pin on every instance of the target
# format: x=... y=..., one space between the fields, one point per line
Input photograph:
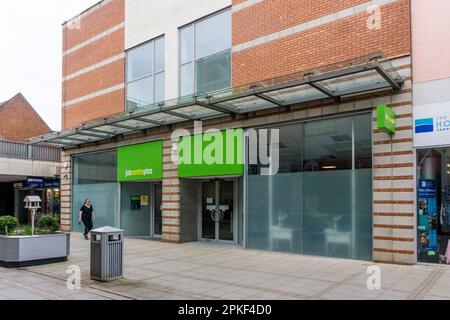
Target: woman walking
x=87 y=216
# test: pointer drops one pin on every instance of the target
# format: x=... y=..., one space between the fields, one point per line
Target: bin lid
x=107 y=230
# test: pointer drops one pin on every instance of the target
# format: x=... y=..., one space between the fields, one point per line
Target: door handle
x=217 y=215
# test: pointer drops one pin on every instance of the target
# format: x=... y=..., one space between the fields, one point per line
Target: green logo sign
x=140 y=162
x=211 y=154
x=386 y=119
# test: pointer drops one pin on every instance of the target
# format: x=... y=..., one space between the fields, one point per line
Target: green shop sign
x=386 y=119
x=218 y=153
x=140 y=162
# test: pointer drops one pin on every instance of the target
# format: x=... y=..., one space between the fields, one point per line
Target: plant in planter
x=47 y=225
x=8 y=224
x=21 y=249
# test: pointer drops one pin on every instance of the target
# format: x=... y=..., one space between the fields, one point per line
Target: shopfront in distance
x=432 y=141
x=47 y=189
x=125 y=188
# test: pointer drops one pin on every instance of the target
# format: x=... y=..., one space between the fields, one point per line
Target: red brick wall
x=96 y=52
x=94 y=108
x=326 y=44
x=19 y=121
x=92 y=23
x=105 y=77
x=269 y=16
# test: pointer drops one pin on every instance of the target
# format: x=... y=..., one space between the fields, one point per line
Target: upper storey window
x=205 y=55
x=146 y=74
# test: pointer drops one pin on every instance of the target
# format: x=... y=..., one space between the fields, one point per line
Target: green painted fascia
x=140 y=162
x=231 y=159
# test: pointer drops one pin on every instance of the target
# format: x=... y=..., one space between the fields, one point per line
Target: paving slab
x=156 y=271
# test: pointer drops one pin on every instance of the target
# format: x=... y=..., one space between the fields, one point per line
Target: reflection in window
x=95 y=168
x=146 y=74
x=213 y=73
x=205 y=55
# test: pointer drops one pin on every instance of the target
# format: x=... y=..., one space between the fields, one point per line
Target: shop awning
x=351 y=78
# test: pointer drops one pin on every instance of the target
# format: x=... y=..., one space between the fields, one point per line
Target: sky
x=31 y=52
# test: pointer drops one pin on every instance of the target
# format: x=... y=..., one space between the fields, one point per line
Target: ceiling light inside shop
x=329 y=167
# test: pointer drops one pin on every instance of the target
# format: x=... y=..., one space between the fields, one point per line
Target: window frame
x=194 y=59
x=152 y=75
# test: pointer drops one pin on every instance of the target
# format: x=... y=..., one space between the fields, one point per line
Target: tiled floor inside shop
x=155 y=270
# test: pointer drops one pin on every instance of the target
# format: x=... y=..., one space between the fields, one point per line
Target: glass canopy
x=346 y=79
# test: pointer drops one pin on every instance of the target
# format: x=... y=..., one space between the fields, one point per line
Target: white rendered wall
x=146 y=20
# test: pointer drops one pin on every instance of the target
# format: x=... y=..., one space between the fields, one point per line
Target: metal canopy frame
x=359 y=76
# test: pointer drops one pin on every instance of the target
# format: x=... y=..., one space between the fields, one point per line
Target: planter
x=26 y=251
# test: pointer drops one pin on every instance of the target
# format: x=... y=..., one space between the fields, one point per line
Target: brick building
x=312 y=73
x=21 y=162
x=19 y=121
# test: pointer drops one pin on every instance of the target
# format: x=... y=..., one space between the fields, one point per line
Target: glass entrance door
x=217 y=220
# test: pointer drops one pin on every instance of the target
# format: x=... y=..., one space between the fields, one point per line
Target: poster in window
x=135 y=203
x=144 y=200
x=427 y=218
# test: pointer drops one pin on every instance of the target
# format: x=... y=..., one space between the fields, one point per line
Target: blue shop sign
x=41 y=183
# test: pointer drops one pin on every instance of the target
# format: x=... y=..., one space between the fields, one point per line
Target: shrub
x=27 y=231
x=48 y=223
x=8 y=224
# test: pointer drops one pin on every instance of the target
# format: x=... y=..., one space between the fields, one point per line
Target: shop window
x=320 y=201
x=95 y=178
x=325 y=145
x=433 y=216
x=328 y=145
x=95 y=168
x=146 y=74
x=205 y=55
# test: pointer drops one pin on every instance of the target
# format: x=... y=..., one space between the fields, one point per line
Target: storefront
x=124 y=186
x=432 y=140
x=212 y=186
x=342 y=187
x=319 y=202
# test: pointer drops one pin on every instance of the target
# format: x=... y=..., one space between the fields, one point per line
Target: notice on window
x=144 y=200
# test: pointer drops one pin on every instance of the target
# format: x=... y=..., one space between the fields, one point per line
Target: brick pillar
x=66 y=192
x=394 y=217
x=171 y=230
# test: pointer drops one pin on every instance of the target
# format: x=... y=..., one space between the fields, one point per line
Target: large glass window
x=433 y=216
x=146 y=74
x=205 y=55
x=95 y=178
x=320 y=202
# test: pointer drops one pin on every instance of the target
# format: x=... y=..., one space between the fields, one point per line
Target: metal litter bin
x=106 y=254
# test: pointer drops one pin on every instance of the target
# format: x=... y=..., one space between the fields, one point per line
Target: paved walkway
x=155 y=270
